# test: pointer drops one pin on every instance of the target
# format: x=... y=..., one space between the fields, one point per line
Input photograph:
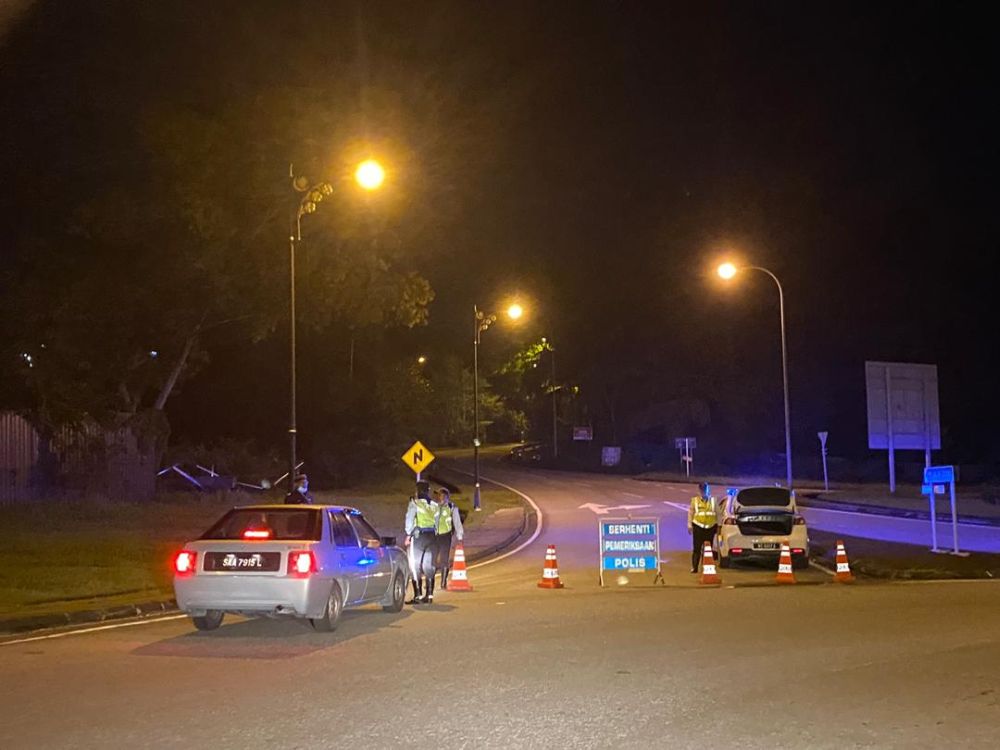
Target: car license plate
x=766 y=545
x=249 y=562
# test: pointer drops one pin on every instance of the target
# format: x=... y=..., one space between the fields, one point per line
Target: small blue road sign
x=939 y=474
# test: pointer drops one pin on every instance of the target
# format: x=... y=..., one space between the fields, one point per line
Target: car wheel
x=210 y=621
x=398 y=590
x=331 y=613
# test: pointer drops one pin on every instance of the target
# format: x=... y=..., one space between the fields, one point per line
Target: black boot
x=445 y=572
x=429 y=591
x=416 y=591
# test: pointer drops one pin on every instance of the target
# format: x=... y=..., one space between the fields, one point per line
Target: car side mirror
x=388 y=541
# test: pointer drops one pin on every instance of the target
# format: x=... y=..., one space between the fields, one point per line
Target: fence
x=83 y=459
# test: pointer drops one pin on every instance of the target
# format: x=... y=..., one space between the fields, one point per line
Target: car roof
x=286 y=506
x=762 y=487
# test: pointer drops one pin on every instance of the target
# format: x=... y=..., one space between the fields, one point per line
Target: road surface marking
x=679 y=506
x=812 y=563
x=602 y=510
x=112 y=626
x=635 y=494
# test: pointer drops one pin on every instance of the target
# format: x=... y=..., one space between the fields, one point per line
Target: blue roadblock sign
x=630 y=546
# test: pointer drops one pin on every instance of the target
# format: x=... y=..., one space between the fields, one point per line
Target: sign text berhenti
x=630 y=549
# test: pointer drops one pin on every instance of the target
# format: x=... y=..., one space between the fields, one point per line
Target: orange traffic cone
x=843 y=574
x=785 y=574
x=708 y=573
x=458 y=580
x=550 y=573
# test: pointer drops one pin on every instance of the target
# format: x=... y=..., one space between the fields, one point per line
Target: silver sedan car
x=305 y=561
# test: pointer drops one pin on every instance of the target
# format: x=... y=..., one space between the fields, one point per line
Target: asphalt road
x=745 y=665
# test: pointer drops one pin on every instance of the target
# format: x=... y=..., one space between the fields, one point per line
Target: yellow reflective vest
x=426 y=514
x=444 y=519
x=703 y=512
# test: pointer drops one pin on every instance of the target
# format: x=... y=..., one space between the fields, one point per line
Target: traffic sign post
x=935 y=477
x=822 y=449
x=686 y=446
x=418 y=458
x=630 y=551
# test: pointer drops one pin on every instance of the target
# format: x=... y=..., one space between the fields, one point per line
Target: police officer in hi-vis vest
x=703 y=523
x=447 y=526
x=421 y=542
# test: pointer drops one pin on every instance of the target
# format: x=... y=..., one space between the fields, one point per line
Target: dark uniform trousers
x=700 y=535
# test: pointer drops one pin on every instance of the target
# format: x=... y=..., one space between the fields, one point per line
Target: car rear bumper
x=741 y=547
x=252 y=594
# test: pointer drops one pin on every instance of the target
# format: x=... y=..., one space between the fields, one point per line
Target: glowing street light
x=482 y=322
x=421 y=360
x=728 y=271
x=370 y=174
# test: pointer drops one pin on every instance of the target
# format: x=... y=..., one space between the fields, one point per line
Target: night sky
x=598 y=158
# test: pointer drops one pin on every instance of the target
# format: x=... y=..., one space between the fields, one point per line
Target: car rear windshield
x=764 y=496
x=294 y=524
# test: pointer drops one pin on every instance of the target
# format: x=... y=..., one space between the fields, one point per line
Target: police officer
x=702 y=523
x=420 y=539
x=300 y=491
x=447 y=525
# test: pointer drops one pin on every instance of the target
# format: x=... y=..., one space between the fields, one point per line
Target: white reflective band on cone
x=784 y=568
x=459 y=575
x=550 y=573
x=843 y=568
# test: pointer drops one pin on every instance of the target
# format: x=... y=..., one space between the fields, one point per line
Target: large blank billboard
x=903 y=400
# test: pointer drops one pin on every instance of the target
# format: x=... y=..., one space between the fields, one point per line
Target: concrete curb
x=20 y=625
x=507 y=542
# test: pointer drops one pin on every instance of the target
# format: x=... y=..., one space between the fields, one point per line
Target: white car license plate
x=766 y=545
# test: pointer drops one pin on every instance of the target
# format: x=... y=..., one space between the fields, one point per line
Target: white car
x=756 y=521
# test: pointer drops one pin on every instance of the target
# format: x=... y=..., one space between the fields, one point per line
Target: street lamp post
x=369 y=176
x=728 y=271
x=552 y=387
x=482 y=321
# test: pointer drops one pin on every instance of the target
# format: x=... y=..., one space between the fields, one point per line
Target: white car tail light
x=301 y=564
x=184 y=562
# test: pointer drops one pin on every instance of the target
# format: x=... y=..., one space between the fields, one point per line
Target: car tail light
x=257 y=534
x=301 y=564
x=798 y=551
x=184 y=562
x=799 y=521
x=729 y=521
x=736 y=551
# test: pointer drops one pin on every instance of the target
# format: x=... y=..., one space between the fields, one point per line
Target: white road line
x=538 y=526
x=634 y=494
x=679 y=506
x=820 y=567
x=113 y=626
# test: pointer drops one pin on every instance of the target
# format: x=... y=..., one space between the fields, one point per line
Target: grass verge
x=896 y=561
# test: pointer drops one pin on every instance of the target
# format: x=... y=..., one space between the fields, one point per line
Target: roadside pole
x=822 y=448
